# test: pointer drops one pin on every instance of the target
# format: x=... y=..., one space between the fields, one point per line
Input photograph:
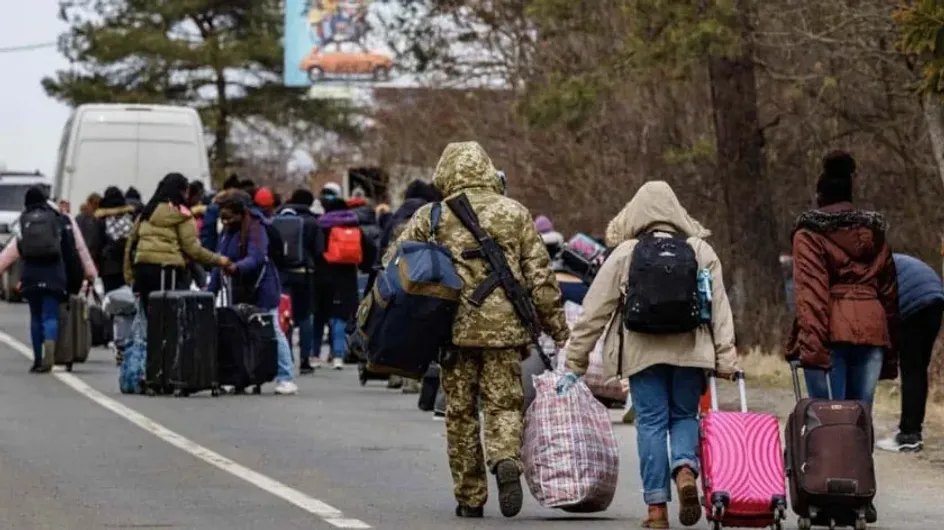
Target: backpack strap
x=435 y=215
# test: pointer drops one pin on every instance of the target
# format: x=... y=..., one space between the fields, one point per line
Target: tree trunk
x=221 y=128
x=933 y=122
x=756 y=289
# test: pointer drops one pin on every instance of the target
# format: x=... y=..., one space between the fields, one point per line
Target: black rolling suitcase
x=248 y=347
x=181 y=355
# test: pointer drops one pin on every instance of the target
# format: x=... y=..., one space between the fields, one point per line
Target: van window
x=11 y=196
x=63 y=149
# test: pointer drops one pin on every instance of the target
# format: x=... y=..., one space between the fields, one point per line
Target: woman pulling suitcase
x=162 y=239
x=255 y=280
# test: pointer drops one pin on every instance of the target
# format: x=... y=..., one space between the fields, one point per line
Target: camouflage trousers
x=495 y=375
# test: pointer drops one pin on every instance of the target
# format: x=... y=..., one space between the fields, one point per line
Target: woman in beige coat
x=666 y=372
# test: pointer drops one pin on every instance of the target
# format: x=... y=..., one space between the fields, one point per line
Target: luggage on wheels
x=742 y=466
x=73 y=341
x=829 y=460
x=181 y=354
x=248 y=345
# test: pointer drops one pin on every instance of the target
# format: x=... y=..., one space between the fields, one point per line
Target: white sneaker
x=286 y=388
x=338 y=363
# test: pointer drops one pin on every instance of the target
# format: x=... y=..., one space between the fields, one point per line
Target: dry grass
x=768 y=370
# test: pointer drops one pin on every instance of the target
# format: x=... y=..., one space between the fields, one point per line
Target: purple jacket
x=269 y=290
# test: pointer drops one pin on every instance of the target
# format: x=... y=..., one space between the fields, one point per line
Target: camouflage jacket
x=466 y=168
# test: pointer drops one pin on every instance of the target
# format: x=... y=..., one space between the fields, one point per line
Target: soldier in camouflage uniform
x=489 y=340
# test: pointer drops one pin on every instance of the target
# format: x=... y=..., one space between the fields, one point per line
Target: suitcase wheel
x=362 y=374
x=150 y=392
x=215 y=392
x=238 y=391
x=256 y=390
x=180 y=392
x=69 y=367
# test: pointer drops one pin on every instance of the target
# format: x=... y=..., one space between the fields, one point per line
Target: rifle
x=500 y=276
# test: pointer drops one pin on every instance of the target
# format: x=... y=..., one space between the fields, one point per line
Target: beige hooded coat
x=655 y=207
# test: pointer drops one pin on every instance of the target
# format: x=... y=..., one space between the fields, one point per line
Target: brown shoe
x=658 y=517
x=689 y=507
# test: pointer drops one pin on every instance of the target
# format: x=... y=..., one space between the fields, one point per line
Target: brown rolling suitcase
x=829 y=460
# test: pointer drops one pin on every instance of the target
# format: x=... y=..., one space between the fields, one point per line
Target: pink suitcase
x=742 y=469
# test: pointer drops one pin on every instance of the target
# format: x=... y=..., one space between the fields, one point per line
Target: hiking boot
x=306 y=369
x=474 y=512
x=689 y=506
x=410 y=386
x=871 y=514
x=35 y=368
x=510 y=495
x=901 y=443
x=658 y=517
x=49 y=356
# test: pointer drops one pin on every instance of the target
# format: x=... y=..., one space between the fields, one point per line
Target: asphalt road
x=75 y=454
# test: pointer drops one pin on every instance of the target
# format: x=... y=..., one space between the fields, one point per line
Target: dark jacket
x=265 y=290
x=49 y=276
x=845 y=285
x=312 y=242
x=919 y=286
x=209 y=235
x=338 y=282
x=88 y=225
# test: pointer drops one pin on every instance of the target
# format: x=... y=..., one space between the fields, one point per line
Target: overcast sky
x=30 y=122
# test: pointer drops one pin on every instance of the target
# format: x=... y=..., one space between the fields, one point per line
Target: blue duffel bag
x=407 y=316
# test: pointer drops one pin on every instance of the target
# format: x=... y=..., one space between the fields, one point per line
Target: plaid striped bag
x=570 y=454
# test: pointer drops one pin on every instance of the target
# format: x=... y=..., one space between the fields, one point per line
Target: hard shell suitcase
x=72 y=342
x=248 y=347
x=181 y=355
x=742 y=466
x=829 y=460
x=101 y=325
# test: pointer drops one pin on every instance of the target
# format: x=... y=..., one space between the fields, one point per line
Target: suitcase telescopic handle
x=795 y=368
x=713 y=389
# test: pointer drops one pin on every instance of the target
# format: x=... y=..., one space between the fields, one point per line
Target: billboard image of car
x=334 y=43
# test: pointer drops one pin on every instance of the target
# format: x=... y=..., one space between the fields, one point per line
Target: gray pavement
x=68 y=462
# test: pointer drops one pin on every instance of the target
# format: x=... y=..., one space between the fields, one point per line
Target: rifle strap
x=463 y=211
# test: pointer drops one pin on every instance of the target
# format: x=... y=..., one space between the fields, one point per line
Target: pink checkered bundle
x=570 y=454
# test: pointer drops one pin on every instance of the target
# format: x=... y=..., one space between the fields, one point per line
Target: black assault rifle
x=500 y=276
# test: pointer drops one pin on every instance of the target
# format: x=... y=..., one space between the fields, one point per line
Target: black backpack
x=662 y=291
x=291 y=229
x=276 y=251
x=41 y=234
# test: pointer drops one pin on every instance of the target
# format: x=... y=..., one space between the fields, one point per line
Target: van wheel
x=315 y=74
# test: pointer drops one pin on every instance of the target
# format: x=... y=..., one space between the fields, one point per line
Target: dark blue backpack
x=407 y=316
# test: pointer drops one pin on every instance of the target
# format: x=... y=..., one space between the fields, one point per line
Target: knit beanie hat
x=543 y=224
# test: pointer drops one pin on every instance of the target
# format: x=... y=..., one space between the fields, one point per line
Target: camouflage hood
x=654 y=204
x=465 y=166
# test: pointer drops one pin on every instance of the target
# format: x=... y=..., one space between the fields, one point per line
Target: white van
x=127 y=145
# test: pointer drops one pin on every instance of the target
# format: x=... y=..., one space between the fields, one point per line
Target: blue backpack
x=407 y=316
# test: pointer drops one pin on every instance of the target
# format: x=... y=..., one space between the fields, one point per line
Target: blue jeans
x=666 y=400
x=44 y=322
x=285 y=353
x=854 y=374
x=336 y=336
x=303 y=319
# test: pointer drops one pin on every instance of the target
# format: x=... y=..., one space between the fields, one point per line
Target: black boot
x=474 y=512
x=510 y=495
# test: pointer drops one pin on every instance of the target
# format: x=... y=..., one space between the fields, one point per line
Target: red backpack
x=344 y=246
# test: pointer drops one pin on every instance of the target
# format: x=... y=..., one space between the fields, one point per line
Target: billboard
x=330 y=46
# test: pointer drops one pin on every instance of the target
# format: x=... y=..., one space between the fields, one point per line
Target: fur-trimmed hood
x=102 y=213
x=859 y=233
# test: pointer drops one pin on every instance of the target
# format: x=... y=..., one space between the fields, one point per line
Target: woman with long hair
x=255 y=279
x=163 y=238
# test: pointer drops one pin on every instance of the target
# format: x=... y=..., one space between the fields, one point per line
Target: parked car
x=321 y=66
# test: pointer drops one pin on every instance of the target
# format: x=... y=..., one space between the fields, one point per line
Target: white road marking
x=328 y=513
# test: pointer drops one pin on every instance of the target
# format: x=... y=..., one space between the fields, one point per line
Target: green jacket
x=165 y=239
x=466 y=168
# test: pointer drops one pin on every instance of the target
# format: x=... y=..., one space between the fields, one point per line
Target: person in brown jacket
x=846 y=291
